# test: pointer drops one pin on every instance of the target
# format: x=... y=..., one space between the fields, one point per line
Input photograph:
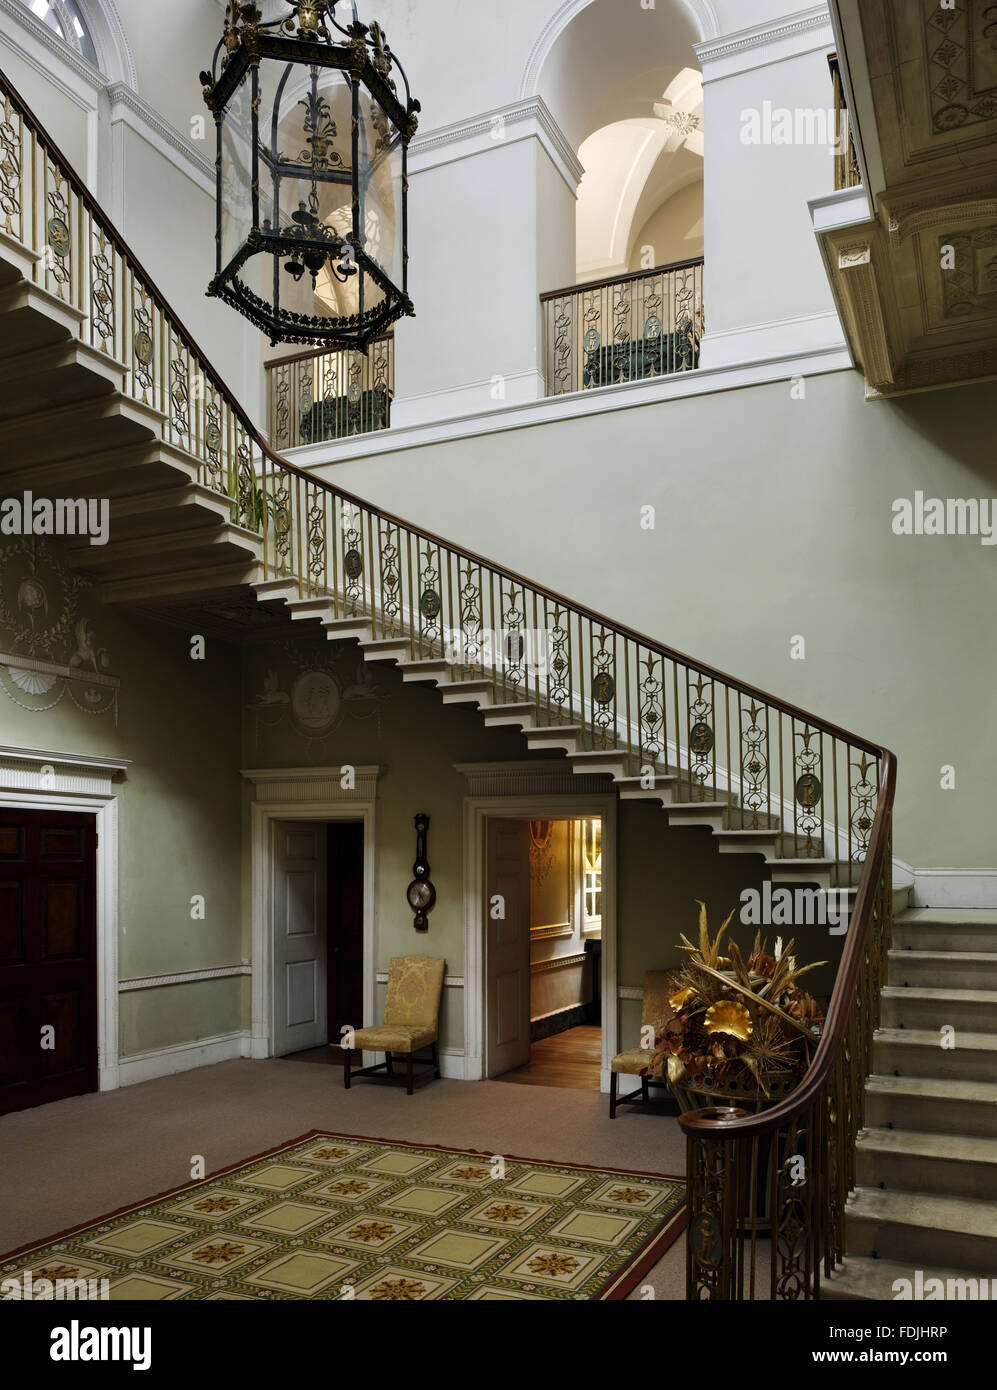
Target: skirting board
x=955 y=888
x=167 y=1061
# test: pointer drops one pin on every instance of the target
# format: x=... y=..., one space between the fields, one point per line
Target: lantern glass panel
x=236 y=210
x=381 y=188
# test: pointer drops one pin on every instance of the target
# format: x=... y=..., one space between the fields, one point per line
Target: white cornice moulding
x=42 y=49
x=22 y=769
x=788 y=37
x=184 y=977
x=521 y=388
x=527 y=119
x=128 y=108
x=794 y=337
x=577 y=405
x=306 y=784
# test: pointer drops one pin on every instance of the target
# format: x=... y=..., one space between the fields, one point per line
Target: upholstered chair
x=658 y=987
x=411 y=1023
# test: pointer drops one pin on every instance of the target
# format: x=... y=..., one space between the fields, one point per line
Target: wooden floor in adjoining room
x=571 y=1060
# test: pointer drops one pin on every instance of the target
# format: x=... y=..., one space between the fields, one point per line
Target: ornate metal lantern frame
x=310 y=39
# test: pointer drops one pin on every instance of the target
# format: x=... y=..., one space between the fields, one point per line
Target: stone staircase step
x=394 y=649
x=946 y=929
x=596 y=762
x=556 y=738
x=931 y=1104
x=76 y=431
x=913 y=1052
x=633 y=789
x=346 y=629
x=944 y=969
x=429 y=670
x=820 y=872
x=948 y=1165
x=858 y=1277
x=478 y=692
x=973 y=1010
x=32 y=317
x=923 y=1230
x=57 y=374
x=509 y=716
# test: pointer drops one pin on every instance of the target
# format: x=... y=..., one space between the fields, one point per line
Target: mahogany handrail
x=621 y=279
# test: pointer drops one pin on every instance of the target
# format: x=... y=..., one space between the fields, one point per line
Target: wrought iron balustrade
x=330 y=395
x=846 y=165
x=627 y=328
x=824 y=793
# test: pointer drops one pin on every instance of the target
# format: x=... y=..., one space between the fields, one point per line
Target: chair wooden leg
x=436 y=1062
x=408 y=1076
x=346 y=1067
x=612 y=1095
x=387 y=1064
x=643 y=1089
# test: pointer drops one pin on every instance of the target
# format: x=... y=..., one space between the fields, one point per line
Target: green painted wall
x=773 y=518
x=179 y=722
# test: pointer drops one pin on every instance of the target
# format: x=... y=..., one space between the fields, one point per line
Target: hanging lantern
x=313 y=138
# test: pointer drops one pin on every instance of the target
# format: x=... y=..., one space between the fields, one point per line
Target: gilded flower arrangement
x=736 y=1026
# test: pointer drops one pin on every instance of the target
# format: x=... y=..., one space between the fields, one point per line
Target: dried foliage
x=729 y=1016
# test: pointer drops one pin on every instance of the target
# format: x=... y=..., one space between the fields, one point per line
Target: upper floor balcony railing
x=330 y=395
x=846 y=165
x=626 y=328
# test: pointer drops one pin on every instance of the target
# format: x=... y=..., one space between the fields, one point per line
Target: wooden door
x=301 y=1000
x=345 y=971
x=507 y=945
x=48 y=956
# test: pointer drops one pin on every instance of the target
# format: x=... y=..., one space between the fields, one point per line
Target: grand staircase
x=926 y=1194
x=104 y=395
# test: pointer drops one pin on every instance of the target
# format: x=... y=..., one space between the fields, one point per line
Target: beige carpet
x=79 y=1159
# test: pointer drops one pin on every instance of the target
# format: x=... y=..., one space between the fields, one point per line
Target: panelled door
x=507 y=942
x=48 y=956
x=300 y=884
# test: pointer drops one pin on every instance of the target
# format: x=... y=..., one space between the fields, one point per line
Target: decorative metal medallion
x=808 y=790
x=353 y=564
x=354 y=394
x=282 y=521
x=603 y=688
x=59 y=237
x=304 y=403
x=652 y=329
x=430 y=604
x=592 y=341
x=515 y=648
x=143 y=347
x=213 y=437
x=701 y=738
x=704 y=1237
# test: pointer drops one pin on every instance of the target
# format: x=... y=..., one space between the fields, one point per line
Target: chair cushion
x=393 y=1037
x=415 y=984
x=636 y=1062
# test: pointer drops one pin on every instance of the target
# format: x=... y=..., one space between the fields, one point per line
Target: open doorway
x=318 y=914
x=543 y=1012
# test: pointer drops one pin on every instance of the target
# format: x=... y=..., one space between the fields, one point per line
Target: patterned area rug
x=335 y=1215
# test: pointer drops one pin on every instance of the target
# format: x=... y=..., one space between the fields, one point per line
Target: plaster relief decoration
x=310 y=692
x=962 y=53
x=49 y=645
x=971 y=287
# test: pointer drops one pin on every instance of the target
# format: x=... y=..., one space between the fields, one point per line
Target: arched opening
x=624 y=84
